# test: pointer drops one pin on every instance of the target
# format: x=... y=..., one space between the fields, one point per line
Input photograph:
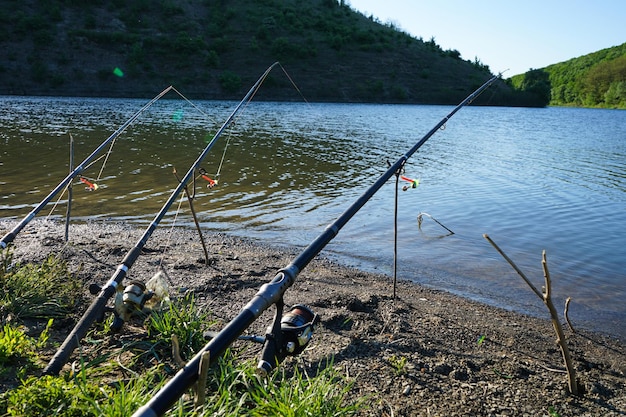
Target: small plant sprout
x=398 y=363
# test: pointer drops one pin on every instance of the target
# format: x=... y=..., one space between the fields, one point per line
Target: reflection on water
x=533 y=179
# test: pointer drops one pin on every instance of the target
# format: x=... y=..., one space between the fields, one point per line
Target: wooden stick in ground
x=546 y=297
x=176 y=352
x=205 y=364
x=556 y=323
x=68 y=211
x=395 y=237
x=195 y=219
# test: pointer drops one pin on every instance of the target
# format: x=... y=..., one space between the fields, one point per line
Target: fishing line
x=293 y=84
x=93 y=186
x=90 y=186
x=56 y=203
x=212 y=182
x=202 y=172
x=106 y=158
x=219 y=168
x=10 y=236
x=169 y=234
x=194 y=105
x=95 y=161
x=495 y=90
x=98 y=305
x=208 y=116
x=92 y=183
x=234 y=122
x=272 y=292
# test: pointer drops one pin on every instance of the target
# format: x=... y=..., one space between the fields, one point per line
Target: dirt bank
x=417 y=355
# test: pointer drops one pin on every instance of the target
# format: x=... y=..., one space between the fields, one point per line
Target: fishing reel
x=131 y=302
x=128 y=302
x=289 y=335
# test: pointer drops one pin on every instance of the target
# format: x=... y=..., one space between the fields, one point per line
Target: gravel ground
x=424 y=353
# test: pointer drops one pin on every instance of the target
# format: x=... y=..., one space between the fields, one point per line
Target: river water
x=549 y=179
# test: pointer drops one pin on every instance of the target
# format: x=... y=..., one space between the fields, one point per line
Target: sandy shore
x=458 y=357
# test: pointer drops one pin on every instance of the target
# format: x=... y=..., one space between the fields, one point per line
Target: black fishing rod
x=9 y=237
x=97 y=307
x=272 y=292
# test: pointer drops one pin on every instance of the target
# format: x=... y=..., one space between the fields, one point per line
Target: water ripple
x=533 y=179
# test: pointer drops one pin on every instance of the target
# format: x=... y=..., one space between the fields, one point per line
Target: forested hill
x=216 y=49
x=594 y=80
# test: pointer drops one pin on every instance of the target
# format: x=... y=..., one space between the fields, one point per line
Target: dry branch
x=190 y=198
x=566 y=314
x=176 y=352
x=205 y=364
x=546 y=297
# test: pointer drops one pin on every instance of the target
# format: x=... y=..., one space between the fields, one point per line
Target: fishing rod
x=273 y=291
x=108 y=290
x=9 y=237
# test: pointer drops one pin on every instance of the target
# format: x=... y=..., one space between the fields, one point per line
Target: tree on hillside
x=603 y=81
x=615 y=96
x=592 y=80
x=535 y=82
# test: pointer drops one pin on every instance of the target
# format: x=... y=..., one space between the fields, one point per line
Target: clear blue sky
x=513 y=35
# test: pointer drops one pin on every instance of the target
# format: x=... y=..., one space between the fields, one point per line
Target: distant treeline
x=216 y=49
x=594 y=80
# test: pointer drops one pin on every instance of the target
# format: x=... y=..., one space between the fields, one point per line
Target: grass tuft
x=37 y=291
x=15 y=345
x=182 y=319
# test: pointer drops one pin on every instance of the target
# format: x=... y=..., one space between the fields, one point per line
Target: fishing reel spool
x=135 y=296
x=128 y=302
x=133 y=299
x=289 y=335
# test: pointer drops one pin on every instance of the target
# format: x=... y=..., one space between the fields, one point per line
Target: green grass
x=182 y=319
x=325 y=394
x=552 y=412
x=113 y=379
x=234 y=390
x=15 y=345
x=44 y=291
x=49 y=395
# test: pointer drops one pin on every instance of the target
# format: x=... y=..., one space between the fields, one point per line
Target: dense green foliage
x=536 y=83
x=594 y=80
x=216 y=49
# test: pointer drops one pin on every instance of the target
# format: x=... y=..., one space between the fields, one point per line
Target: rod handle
x=268 y=356
x=79 y=331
